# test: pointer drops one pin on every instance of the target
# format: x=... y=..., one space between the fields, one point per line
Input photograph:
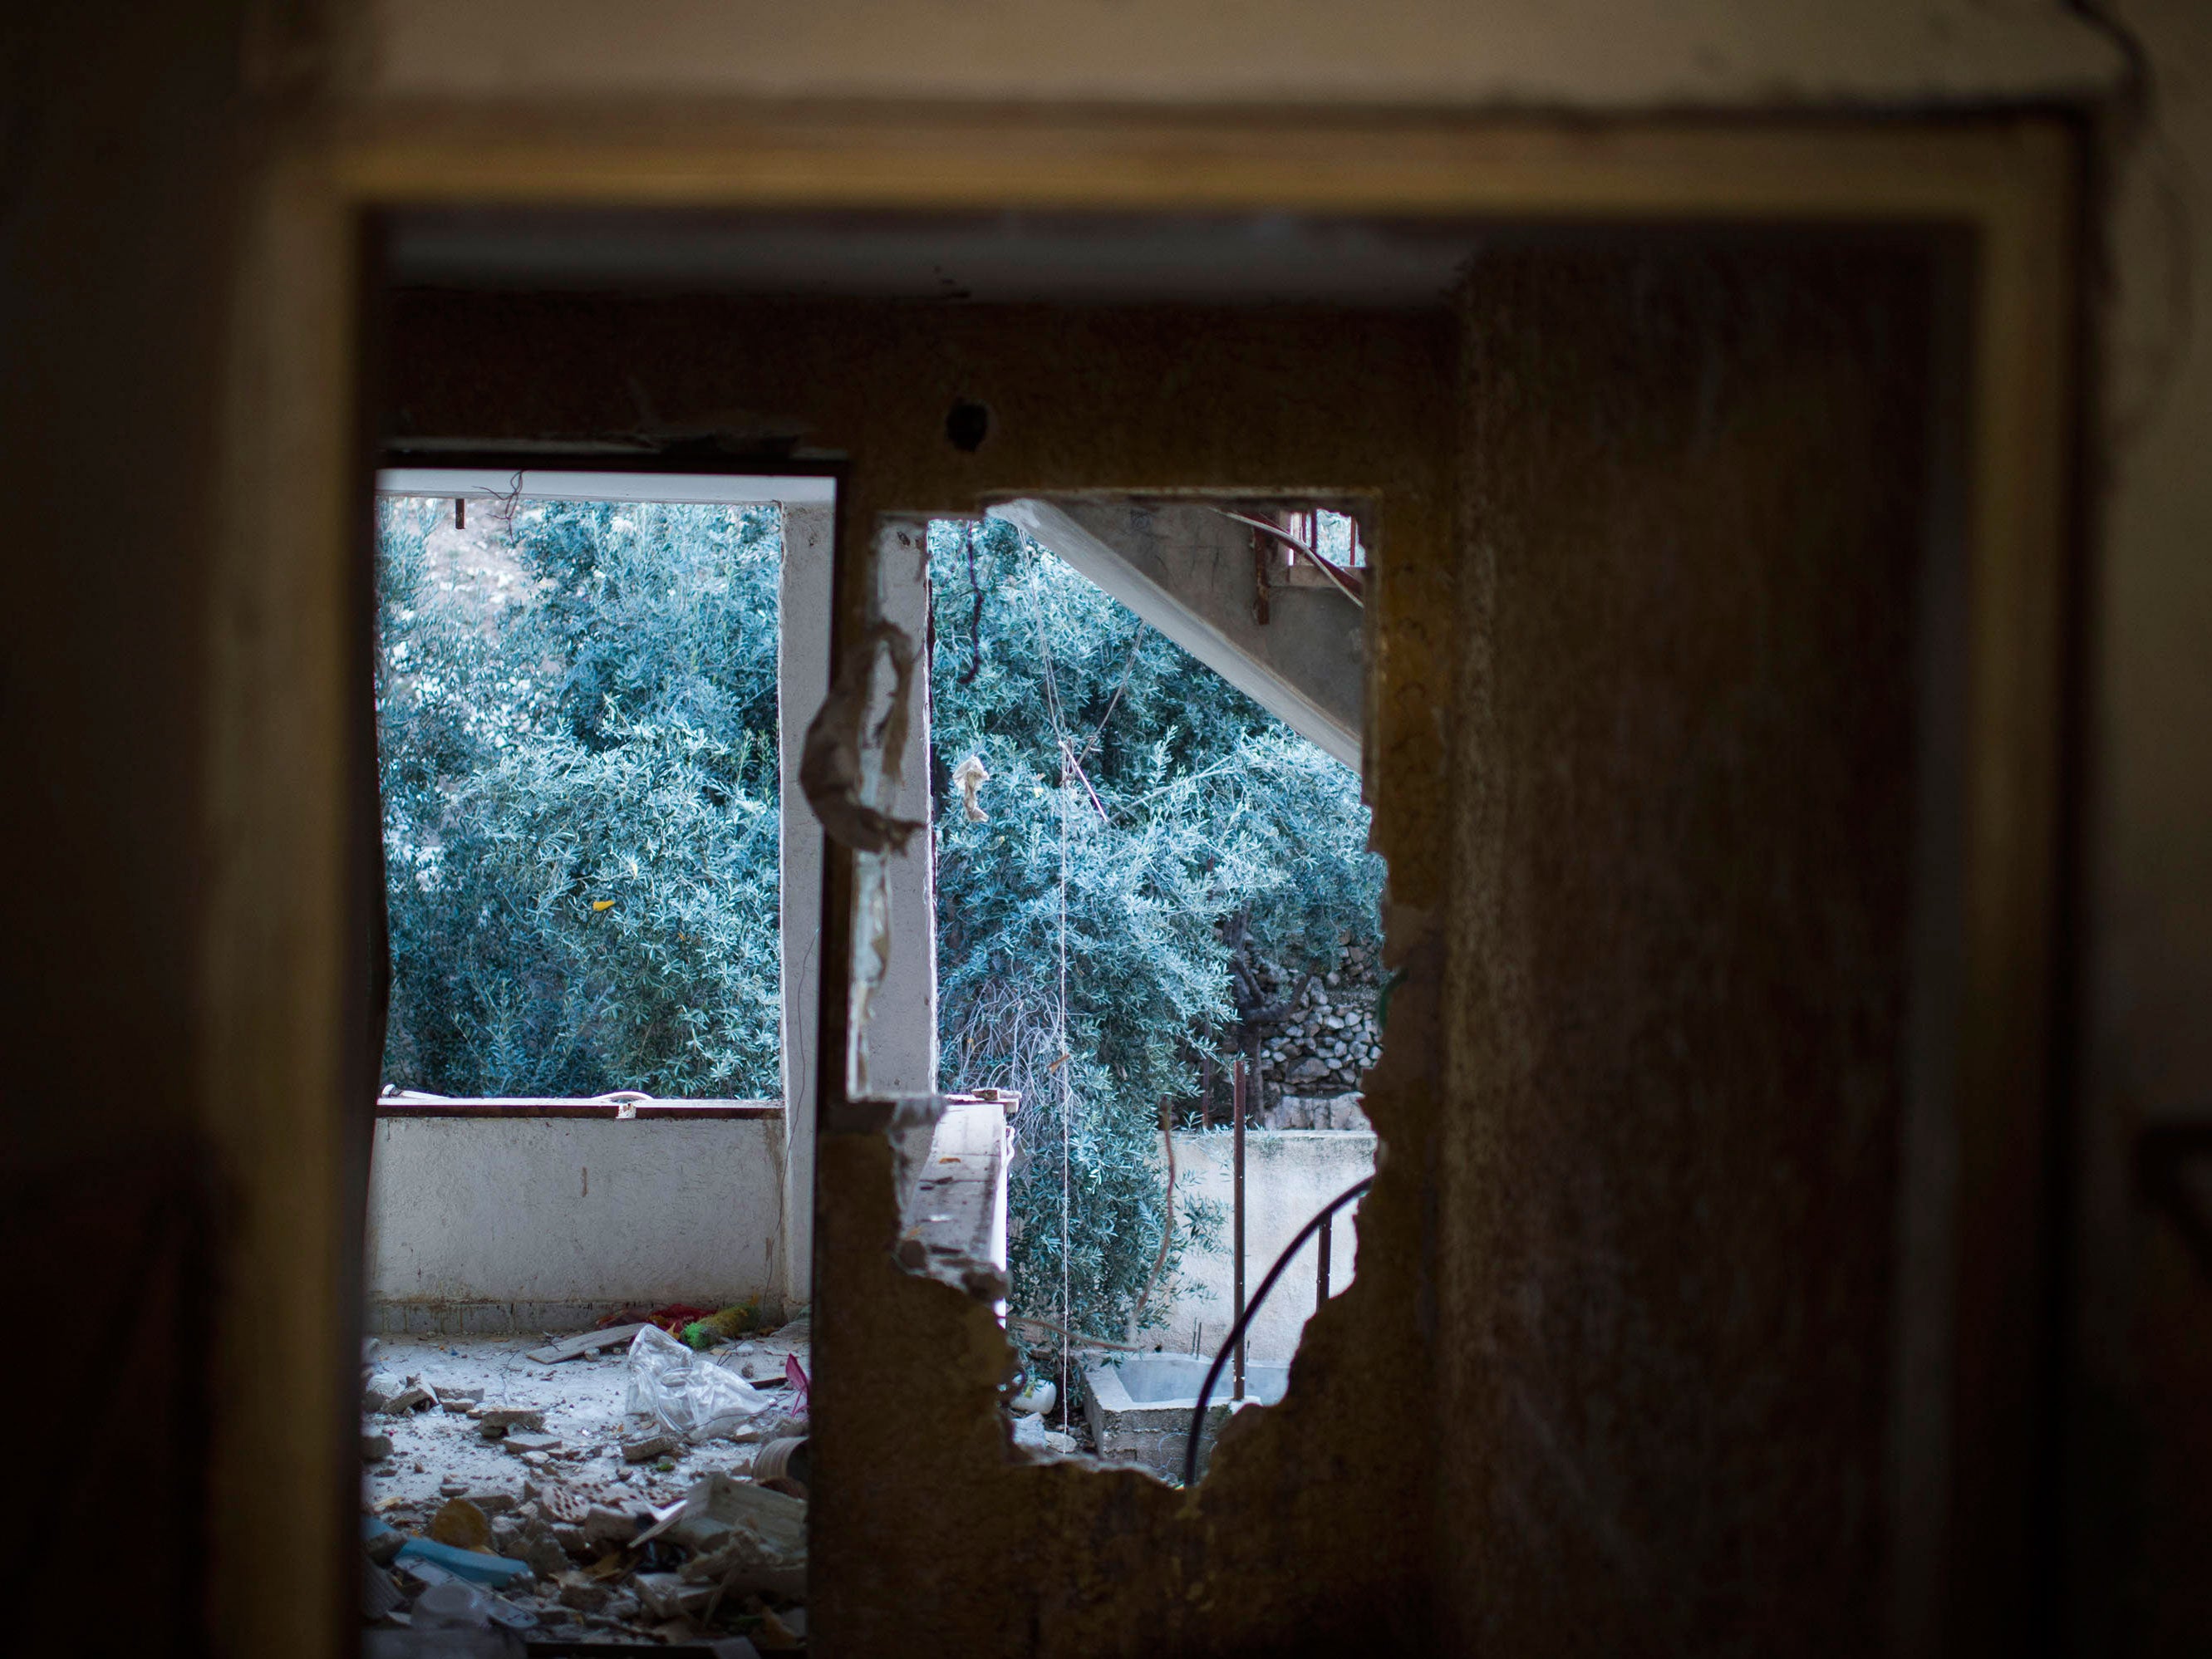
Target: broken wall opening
x=1265 y=392
x=1150 y=889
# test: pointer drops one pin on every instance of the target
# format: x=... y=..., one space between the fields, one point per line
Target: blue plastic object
x=495 y=1570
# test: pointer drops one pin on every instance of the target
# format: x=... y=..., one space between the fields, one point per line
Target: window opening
x=577 y=713
x=583 y=1282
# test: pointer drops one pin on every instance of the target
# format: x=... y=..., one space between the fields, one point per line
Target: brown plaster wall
x=1312 y=1533
x=1679 y=921
x=1508 y=54
x=119 y=147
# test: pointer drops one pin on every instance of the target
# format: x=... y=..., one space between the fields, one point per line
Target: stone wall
x=1326 y=1044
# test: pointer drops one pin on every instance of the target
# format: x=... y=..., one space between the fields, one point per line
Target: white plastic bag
x=686 y=1393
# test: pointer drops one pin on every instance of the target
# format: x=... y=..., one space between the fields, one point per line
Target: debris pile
x=649 y=1494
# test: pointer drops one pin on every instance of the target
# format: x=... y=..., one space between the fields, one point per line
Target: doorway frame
x=283 y=740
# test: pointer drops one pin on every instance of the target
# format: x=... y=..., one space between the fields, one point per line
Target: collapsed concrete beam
x=1186 y=570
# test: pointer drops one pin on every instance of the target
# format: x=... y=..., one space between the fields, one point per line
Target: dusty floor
x=582 y=1402
x=588 y=1592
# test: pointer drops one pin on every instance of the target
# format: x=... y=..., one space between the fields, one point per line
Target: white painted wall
x=893 y=1020
x=802 y=676
x=1289 y=1173
x=543 y=1222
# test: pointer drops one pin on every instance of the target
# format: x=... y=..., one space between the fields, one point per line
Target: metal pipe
x=1237 y=1390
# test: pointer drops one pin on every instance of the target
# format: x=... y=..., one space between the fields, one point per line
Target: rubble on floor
x=544 y=1495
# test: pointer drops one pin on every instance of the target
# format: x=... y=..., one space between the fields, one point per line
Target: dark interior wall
x=1616 y=1373
x=1312 y=1533
x=120 y=150
x=1680 y=921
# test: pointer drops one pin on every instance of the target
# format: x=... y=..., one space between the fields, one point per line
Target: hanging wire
x=1060 y=1018
x=975 y=616
x=1071 y=769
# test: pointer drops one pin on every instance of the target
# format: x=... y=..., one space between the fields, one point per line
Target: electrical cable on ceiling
x=1344 y=579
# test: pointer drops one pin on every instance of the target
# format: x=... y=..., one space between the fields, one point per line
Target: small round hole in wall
x=966 y=425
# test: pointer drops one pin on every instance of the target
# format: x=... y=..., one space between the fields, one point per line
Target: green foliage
x=1195 y=831
x=578 y=766
x=577 y=741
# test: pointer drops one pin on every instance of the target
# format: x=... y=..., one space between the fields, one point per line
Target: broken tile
x=667 y=1596
x=652 y=1446
x=585 y=1594
x=716 y=1507
x=462 y=1524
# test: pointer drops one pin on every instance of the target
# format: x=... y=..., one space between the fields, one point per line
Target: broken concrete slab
x=718 y=1507
x=375 y=1448
x=746 y=1566
x=544 y=1555
x=666 y=1595
x=586 y=1342
x=524 y=1444
x=651 y=1447
x=413 y=1398
x=604 y=1525
x=494 y=1421
x=582 y=1592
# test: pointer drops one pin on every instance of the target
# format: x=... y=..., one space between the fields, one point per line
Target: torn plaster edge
x=866 y=772
x=1053 y=530
x=927 y=1133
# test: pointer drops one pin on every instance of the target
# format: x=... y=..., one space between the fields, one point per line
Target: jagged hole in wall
x=1154 y=903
